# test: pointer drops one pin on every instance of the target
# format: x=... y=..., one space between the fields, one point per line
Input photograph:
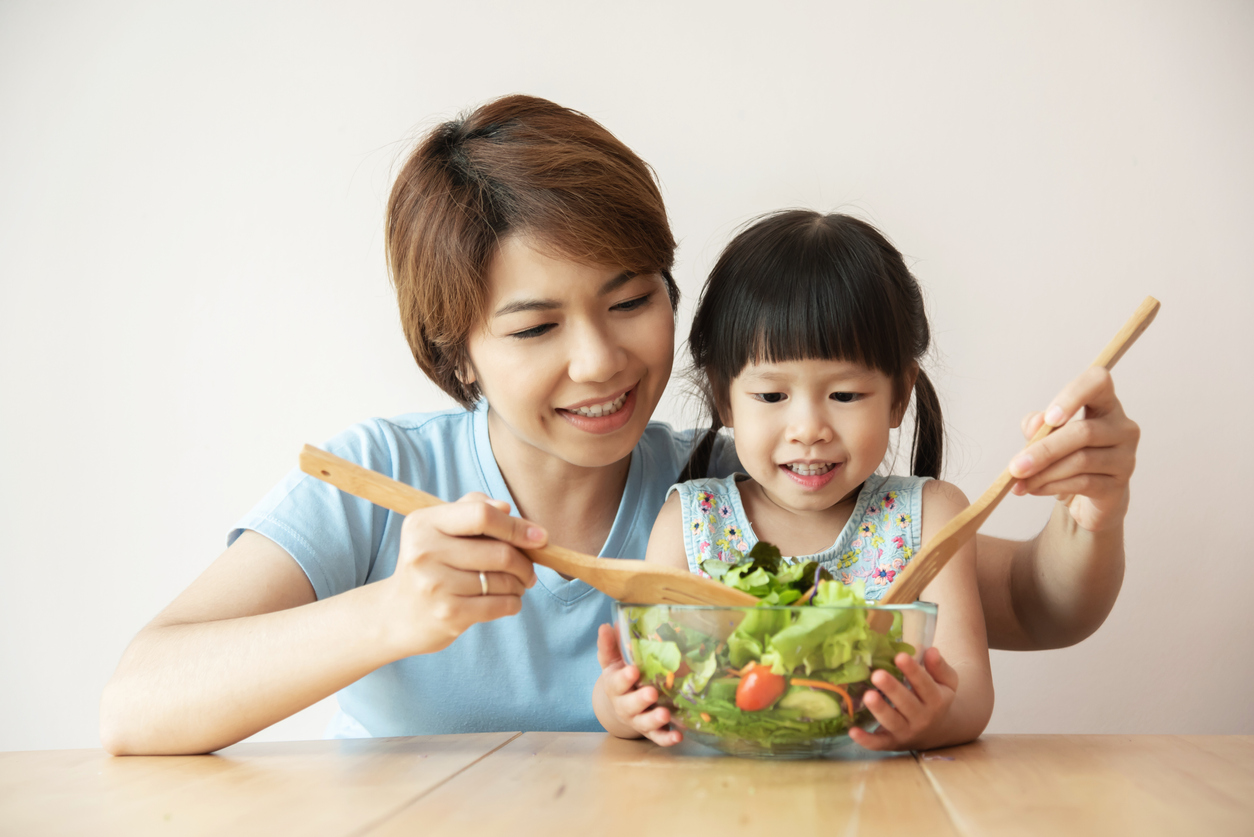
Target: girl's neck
x=795 y=531
x=576 y=505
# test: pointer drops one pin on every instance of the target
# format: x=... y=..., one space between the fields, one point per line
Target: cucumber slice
x=810 y=703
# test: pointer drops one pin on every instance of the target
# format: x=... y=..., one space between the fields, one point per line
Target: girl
x=808 y=338
x=531 y=255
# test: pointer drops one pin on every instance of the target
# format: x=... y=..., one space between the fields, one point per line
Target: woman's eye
x=632 y=304
x=844 y=397
x=533 y=332
x=770 y=397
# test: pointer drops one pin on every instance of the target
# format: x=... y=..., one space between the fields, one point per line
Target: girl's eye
x=769 y=397
x=632 y=304
x=844 y=397
x=533 y=332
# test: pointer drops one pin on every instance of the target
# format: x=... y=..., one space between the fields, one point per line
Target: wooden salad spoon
x=627 y=581
x=931 y=559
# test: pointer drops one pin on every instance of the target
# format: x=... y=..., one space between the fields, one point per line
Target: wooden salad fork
x=625 y=580
x=931 y=559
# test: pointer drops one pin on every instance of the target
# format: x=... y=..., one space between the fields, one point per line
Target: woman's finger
x=470 y=517
x=487 y=608
x=1093 y=391
x=1115 y=462
x=498 y=584
x=1109 y=432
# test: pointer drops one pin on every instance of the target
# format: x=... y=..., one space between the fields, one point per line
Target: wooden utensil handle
x=404 y=499
x=931 y=559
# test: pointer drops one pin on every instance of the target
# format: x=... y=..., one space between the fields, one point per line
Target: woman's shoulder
x=376 y=442
x=665 y=443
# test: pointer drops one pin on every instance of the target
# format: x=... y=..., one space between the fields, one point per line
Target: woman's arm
x=246 y=644
x=1058 y=588
x=951 y=699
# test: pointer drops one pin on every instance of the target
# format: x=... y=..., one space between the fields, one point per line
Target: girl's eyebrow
x=521 y=305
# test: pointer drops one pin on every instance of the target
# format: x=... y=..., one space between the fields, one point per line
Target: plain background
x=191 y=203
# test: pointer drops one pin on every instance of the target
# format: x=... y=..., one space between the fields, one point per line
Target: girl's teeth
x=606 y=409
x=810 y=470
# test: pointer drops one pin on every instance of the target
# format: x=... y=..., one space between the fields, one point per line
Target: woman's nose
x=595 y=356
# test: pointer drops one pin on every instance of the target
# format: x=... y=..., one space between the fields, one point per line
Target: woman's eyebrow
x=520 y=305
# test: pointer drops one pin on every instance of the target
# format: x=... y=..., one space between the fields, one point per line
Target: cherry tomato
x=759 y=688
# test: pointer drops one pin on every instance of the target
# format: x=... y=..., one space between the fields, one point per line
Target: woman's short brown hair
x=517 y=165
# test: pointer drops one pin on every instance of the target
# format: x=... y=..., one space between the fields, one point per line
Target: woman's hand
x=916 y=714
x=446 y=554
x=1087 y=462
x=623 y=709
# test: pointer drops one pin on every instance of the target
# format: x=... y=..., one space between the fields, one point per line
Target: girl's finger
x=877 y=741
x=890 y=719
x=906 y=702
x=635 y=701
x=608 y=651
x=941 y=671
x=923 y=686
x=624 y=680
x=665 y=737
x=651 y=721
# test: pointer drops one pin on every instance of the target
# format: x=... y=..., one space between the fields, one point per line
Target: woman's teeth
x=606 y=409
x=807 y=470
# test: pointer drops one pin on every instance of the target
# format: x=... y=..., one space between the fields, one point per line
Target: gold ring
x=483 y=583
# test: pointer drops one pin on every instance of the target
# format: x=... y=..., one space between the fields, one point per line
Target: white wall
x=193 y=284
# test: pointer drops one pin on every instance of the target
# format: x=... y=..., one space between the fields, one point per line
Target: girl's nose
x=595 y=356
x=809 y=426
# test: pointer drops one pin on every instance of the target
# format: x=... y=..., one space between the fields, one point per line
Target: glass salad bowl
x=768 y=682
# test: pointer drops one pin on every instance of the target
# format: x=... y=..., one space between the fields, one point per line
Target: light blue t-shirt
x=531 y=671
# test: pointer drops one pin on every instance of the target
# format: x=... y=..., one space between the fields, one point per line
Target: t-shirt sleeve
x=333 y=536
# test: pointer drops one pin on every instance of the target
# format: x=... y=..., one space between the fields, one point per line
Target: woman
x=531 y=255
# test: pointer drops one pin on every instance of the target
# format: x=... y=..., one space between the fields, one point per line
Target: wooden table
x=591 y=784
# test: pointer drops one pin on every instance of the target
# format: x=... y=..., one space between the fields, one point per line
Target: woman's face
x=571 y=358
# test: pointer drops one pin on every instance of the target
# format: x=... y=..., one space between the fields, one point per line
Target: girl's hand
x=914 y=716
x=435 y=593
x=1087 y=462
x=629 y=706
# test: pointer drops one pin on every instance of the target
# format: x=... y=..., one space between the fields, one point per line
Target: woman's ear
x=907 y=389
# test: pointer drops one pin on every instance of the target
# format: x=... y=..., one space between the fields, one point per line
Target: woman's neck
x=576 y=505
x=795 y=532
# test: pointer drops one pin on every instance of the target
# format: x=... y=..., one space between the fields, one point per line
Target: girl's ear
x=899 y=409
x=724 y=415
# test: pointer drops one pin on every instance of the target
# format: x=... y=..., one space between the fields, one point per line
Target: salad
x=773 y=674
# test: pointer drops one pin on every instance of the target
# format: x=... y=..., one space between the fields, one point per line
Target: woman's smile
x=602 y=416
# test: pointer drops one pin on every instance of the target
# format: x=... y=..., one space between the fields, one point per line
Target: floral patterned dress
x=877 y=542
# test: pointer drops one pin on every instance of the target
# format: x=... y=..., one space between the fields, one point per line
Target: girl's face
x=571 y=358
x=811 y=431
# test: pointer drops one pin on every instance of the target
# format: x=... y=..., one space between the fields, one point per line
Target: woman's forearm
x=194 y=688
x=1064 y=582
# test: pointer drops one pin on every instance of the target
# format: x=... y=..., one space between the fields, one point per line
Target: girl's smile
x=810 y=432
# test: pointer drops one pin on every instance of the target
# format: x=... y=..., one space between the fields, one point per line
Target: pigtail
x=928 y=445
x=699 y=462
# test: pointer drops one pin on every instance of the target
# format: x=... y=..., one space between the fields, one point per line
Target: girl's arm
x=951 y=698
x=247 y=645
x=1058 y=588
x=621 y=708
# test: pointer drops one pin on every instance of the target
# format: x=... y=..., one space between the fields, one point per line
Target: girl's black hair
x=799 y=285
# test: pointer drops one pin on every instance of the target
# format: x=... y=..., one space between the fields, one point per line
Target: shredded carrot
x=705 y=716
x=670 y=680
x=831 y=687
